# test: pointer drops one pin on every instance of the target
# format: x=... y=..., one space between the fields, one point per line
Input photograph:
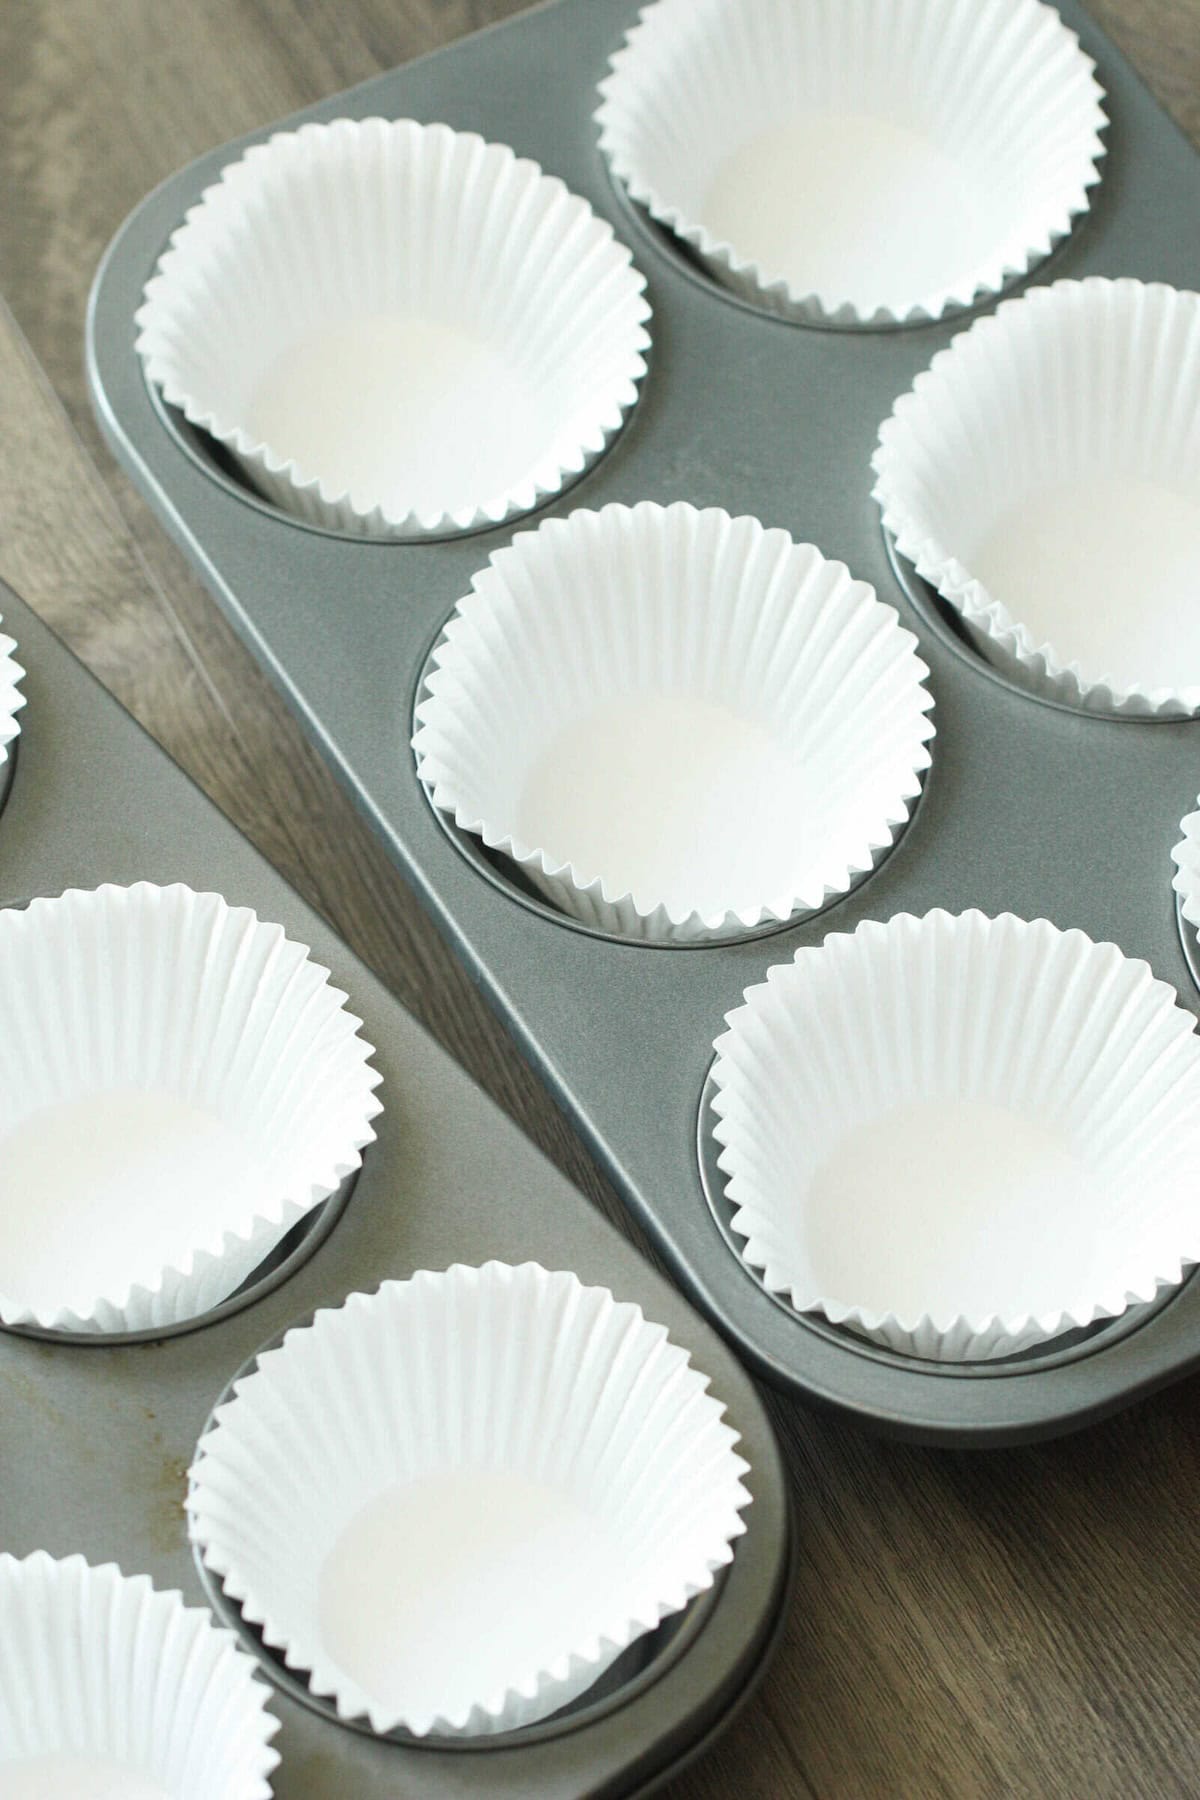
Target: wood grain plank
x=1161 y=38
x=1020 y=1624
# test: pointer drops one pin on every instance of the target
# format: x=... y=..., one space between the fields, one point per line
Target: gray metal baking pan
x=1028 y=807
x=96 y=1439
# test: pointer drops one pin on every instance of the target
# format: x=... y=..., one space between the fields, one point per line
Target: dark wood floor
x=1021 y=1624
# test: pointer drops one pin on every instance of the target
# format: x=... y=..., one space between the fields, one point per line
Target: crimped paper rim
x=11 y=698
x=321 y=501
x=1186 y=857
x=946 y=1335
x=590 y=895
x=104 y=1585
x=777 y=293
x=610 y=908
x=134 y=1306
x=1037 y=664
x=596 y=1650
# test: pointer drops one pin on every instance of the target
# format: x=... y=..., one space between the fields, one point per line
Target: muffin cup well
x=496 y=1479
x=1044 y=475
x=962 y=1136
x=108 y=1686
x=397 y=330
x=179 y=1085
x=856 y=162
x=678 y=724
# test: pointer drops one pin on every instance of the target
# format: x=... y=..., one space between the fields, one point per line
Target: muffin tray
x=1028 y=807
x=98 y=1437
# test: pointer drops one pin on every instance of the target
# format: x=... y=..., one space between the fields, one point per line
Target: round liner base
x=288 y=1256
x=636 y=1669
x=1068 y=1347
x=222 y=468
x=691 y=264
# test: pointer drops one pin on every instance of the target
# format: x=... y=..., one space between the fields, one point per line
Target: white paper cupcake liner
x=679 y=724
x=397 y=329
x=962 y=1136
x=1044 y=475
x=856 y=162
x=1186 y=857
x=179 y=1084
x=11 y=698
x=113 y=1690
x=455 y=1501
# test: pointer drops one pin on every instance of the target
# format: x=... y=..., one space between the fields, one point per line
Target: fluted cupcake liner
x=109 y=1687
x=1186 y=857
x=454 y=1502
x=397 y=329
x=179 y=1084
x=679 y=724
x=856 y=162
x=962 y=1136
x=1044 y=475
x=11 y=697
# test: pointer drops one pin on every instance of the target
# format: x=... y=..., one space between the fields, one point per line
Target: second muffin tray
x=96 y=1437
x=1028 y=807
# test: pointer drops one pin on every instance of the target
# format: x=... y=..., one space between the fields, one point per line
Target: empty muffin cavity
x=498 y=1444
x=182 y=1085
x=856 y=161
x=676 y=724
x=1044 y=475
x=396 y=330
x=960 y=1136
x=115 y=1690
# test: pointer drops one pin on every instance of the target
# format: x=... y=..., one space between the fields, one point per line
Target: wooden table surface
x=1010 y=1624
